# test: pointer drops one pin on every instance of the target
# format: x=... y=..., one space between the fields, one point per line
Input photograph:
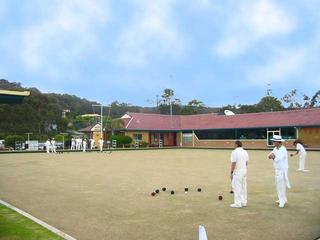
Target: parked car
x=19 y=145
x=41 y=146
x=2 y=147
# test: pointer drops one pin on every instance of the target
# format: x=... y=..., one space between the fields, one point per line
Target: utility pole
x=269 y=90
x=101 y=117
x=63 y=134
x=170 y=102
x=28 y=133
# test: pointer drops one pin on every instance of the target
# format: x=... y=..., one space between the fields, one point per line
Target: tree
x=167 y=95
x=296 y=100
x=113 y=125
x=168 y=105
x=12 y=139
x=315 y=100
x=269 y=104
x=291 y=99
x=193 y=107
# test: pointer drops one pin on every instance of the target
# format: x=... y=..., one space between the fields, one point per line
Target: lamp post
x=28 y=133
x=101 y=117
x=63 y=134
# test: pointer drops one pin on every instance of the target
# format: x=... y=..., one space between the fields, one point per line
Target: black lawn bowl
x=172 y=192
x=153 y=194
x=157 y=191
x=199 y=189
x=164 y=189
x=186 y=189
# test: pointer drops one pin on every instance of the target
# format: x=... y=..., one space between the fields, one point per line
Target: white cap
x=277 y=138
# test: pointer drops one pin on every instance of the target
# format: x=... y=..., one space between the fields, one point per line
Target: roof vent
x=228 y=113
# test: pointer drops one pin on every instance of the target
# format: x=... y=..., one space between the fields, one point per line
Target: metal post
x=192 y=138
x=63 y=134
x=170 y=102
x=101 y=117
x=28 y=137
x=101 y=132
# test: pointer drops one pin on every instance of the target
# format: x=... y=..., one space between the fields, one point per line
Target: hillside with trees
x=51 y=113
x=40 y=112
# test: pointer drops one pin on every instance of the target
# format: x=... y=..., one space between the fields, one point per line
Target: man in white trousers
x=84 y=145
x=280 y=162
x=202 y=233
x=73 y=144
x=301 y=151
x=101 y=144
x=239 y=162
x=92 y=144
x=48 y=146
x=53 y=146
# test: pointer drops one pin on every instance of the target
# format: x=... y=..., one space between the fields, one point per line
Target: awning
x=12 y=97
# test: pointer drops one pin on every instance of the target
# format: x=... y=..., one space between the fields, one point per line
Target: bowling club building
x=213 y=130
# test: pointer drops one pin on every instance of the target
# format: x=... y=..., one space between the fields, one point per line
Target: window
x=254 y=133
x=137 y=137
x=187 y=137
x=288 y=133
x=216 y=134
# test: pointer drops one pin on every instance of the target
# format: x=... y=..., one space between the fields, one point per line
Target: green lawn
x=107 y=196
x=14 y=226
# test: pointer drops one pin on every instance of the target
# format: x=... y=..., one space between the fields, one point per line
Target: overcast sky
x=217 y=51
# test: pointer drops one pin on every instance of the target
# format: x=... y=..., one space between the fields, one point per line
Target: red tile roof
x=86 y=129
x=293 y=118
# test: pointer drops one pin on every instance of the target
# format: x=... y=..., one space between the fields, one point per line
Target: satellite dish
x=228 y=113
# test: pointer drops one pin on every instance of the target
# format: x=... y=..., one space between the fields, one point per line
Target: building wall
x=310 y=136
x=96 y=136
x=178 y=139
x=145 y=135
x=229 y=143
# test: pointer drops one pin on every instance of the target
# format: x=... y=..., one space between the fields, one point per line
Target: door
x=270 y=135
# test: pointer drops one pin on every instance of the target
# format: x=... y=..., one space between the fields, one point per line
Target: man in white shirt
x=280 y=162
x=101 y=144
x=53 y=145
x=302 y=155
x=239 y=162
x=78 y=143
x=48 y=146
x=84 y=145
x=73 y=144
x=92 y=144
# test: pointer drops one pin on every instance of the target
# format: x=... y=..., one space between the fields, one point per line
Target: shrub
x=12 y=139
x=58 y=138
x=143 y=144
x=121 y=140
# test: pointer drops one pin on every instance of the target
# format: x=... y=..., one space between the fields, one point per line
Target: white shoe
x=305 y=170
x=281 y=205
x=299 y=170
x=277 y=201
x=234 y=205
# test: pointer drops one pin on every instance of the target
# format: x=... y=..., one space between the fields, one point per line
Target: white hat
x=277 y=138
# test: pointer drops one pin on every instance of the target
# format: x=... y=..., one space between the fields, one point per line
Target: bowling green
x=108 y=196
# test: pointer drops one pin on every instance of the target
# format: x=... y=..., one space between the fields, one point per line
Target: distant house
x=93 y=132
x=212 y=130
x=12 y=97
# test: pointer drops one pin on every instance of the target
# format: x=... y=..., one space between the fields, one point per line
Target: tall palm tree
x=113 y=124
